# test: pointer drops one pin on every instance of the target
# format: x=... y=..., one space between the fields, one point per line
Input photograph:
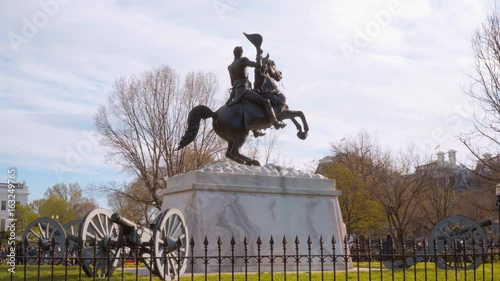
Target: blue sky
x=394 y=68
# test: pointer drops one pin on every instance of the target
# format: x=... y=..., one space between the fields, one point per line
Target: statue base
x=230 y=200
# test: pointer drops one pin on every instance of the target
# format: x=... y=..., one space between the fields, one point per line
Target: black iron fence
x=325 y=259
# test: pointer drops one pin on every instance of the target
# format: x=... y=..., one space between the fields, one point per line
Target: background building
x=447 y=174
x=20 y=193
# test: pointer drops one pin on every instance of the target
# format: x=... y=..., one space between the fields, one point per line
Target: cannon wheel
x=39 y=235
x=170 y=261
x=463 y=238
x=100 y=253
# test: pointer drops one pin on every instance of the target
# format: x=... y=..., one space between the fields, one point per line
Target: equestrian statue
x=247 y=109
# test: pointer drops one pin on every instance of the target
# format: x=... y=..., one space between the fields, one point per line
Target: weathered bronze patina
x=248 y=109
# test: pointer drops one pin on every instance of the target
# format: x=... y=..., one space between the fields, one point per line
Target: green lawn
x=73 y=273
x=364 y=275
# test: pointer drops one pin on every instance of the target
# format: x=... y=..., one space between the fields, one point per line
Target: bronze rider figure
x=242 y=88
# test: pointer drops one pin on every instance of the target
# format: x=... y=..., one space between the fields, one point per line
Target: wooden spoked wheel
x=100 y=252
x=44 y=242
x=458 y=243
x=171 y=244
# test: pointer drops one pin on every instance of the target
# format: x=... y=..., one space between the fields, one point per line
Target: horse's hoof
x=255 y=163
x=302 y=135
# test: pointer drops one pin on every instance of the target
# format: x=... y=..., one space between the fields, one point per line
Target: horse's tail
x=195 y=115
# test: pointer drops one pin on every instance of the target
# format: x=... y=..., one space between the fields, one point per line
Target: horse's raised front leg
x=291 y=114
x=297 y=124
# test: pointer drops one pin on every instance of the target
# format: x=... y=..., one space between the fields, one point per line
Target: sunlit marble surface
x=229 y=200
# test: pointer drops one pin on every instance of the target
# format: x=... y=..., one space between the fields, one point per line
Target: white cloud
x=397 y=84
x=414 y=9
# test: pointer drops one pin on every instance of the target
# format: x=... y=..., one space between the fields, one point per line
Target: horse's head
x=271 y=69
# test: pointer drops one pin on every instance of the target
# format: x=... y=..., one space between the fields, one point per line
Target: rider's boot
x=258 y=133
x=272 y=117
x=278 y=124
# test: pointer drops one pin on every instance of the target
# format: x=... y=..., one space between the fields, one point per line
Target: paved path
x=143 y=271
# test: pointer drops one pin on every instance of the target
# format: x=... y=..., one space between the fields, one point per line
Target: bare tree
x=73 y=194
x=124 y=200
x=440 y=199
x=478 y=201
x=361 y=214
x=389 y=181
x=145 y=118
x=267 y=148
x=485 y=91
x=64 y=200
x=399 y=190
x=349 y=167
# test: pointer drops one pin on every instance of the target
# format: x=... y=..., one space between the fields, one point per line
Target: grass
x=73 y=273
x=59 y=273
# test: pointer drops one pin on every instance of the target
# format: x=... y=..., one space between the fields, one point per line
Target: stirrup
x=258 y=133
x=279 y=125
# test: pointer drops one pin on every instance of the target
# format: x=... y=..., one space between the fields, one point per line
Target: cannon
x=100 y=241
x=456 y=242
x=105 y=237
x=46 y=240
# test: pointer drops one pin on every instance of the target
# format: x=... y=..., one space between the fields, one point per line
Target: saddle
x=254 y=116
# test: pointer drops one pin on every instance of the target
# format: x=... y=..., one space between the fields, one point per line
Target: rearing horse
x=233 y=123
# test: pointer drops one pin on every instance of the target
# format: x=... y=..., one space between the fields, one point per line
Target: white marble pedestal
x=230 y=200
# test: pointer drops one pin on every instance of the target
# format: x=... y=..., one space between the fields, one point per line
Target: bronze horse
x=233 y=123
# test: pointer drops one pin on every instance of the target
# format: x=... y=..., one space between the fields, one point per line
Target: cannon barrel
x=133 y=233
x=72 y=237
x=124 y=222
x=485 y=223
